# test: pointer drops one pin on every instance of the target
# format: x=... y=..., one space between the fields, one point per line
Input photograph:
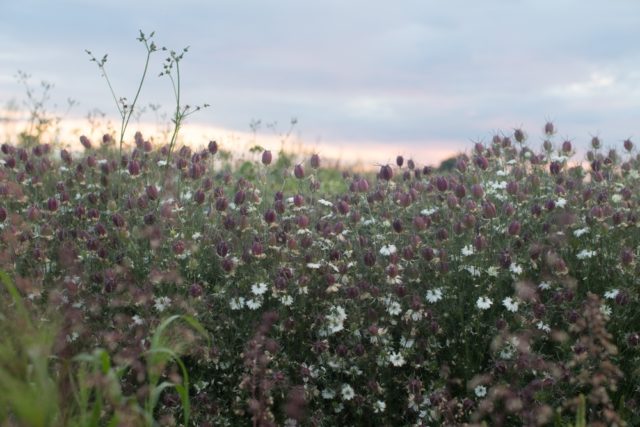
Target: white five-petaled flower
x=259 y=288
x=510 y=304
x=388 y=250
x=434 y=295
x=561 y=202
x=612 y=294
x=544 y=286
x=236 y=303
x=379 y=406
x=396 y=359
x=328 y=394
x=483 y=303
x=325 y=202
x=254 y=304
x=515 y=268
x=347 y=392
x=480 y=391
x=543 y=326
x=137 y=320
x=161 y=303
x=579 y=232
x=467 y=250
x=585 y=254
x=394 y=308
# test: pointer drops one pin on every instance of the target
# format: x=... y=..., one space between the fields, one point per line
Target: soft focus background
x=366 y=80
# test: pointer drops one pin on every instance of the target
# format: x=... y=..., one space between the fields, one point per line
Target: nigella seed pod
x=298 y=171
x=152 y=192
x=52 y=204
x=343 y=207
x=222 y=248
x=363 y=185
x=461 y=165
x=628 y=145
x=399 y=161
x=460 y=191
x=633 y=339
x=595 y=142
x=386 y=172
x=149 y=219
x=469 y=220
x=514 y=228
x=213 y=147
x=550 y=205
x=266 y=157
x=100 y=229
x=279 y=206
x=482 y=162
x=442 y=234
x=199 y=196
x=65 y=156
x=298 y=200
x=118 y=220
x=228 y=265
x=411 y=164
x=518 y=135
x=452 y=201
x=549 y=129
x=85 y=142
x=369 y=258
x=627 y=256
x=195 y=290
x=270 y=216
x=315 y=161
x=566 y=146
x=229 y=223
x=489 y=210
x=477 y=191
x=442 y=184
x=480 y=242
x=397 y=225
x=221 y=204
x=3 y=214
x=134 y=168
x=427 y=253
x=555 y=167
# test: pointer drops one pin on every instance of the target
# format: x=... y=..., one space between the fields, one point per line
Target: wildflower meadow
x=155 y=283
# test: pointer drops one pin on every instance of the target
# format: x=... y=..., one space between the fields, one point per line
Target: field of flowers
x=145 y=288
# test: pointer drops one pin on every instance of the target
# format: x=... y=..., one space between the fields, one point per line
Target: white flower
x=396 y=359
x=515 y=269
x=254 y=304
x=314 y=265
x=616 y=198
x=427 y=212
x=543 y=326
x=236 y=303
x=162 y=303
x=336 y=319
x=493 y=271
x=407 y=343
x=259 y=288
x=325 y=202
x=347 y=392
x=510 y=304
x=480 y=391
x=473 y=270
x=74 y=336
x=388 y=250
x=580 y=231
x=434 y=295
x=585 y=254
x=196 y=236
x=162 y=162
x=544 y=286
x=286 y=300
x=612 y=294
x=467 y=250
x=328 y=394
x=379 y=406
x=137 y=320
x=483 y=303
x=605 y=310
x=394 y=308
x=561 y=202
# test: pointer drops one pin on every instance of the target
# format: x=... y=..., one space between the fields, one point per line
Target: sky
x=364 y=79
